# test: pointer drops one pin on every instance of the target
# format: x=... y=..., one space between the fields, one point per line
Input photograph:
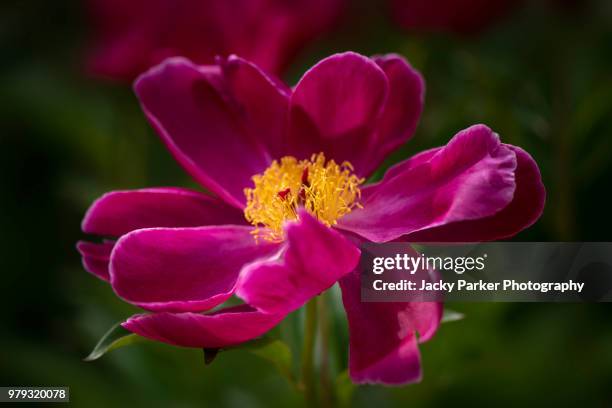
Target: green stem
x=310 y=332
x=326 y=388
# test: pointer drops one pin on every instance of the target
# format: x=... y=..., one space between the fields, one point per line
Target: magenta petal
x=403 y=107
x=315 y=258
x=123 y=36
x=383 y=336
x=470 y=178
x=526 y=207
x=226 y=327
x=279 y=30
x=192 y=110
x=182 y=269
x=264 y=100
x=414 y=161
x=96 y=258
x=130 y=36
x=119 y=212
x=335 y=107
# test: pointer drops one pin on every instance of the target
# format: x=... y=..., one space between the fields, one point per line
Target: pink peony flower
x=455 y=16
x=131 y=36
x=286 y=167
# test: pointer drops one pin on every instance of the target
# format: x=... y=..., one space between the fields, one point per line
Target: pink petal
x=182 y=269
x=276 y=31
x=226 y=327
x=264 y=100
x=471 y=178
x=403 y=108
x=414 y=161
x=335 y=107
x=96 y=257
x=193 y=111
x=383 y=336
x=315 y=258
x=122 y=37
x=526 y=207
x=119 y=212
x=131 y=36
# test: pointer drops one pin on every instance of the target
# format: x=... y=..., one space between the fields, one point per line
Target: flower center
x=325 y=189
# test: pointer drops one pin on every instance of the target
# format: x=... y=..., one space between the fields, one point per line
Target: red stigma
x=283 y=193
x=305 y=177
x=302 y=196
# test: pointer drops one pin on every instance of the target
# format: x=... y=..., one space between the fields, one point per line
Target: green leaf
x=273 y=350
x=115 y=338
x=451 y=316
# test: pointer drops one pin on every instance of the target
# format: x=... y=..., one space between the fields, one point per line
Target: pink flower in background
x=454 y=16
x=131 y=36
x=287 y=167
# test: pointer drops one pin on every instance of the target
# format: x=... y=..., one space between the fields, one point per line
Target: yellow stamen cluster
x=325 y=189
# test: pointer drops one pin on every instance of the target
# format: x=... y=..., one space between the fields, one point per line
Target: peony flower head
x=450 y=16
x=131 y=36
x=287 y=167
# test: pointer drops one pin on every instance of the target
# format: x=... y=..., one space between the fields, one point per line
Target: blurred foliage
x=541 y=79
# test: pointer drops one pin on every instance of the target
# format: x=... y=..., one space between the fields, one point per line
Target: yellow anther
x=325 y=189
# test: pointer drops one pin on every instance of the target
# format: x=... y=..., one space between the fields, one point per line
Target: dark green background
x=541 y=79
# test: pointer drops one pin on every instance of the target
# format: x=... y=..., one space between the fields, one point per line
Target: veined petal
x=402 y=110
x=525 y=208
x=335 y=107
x=223 y=328
x=183 y=269
x=315 y=258
x=414 y=161
x=130 y=37
x=119 y=212
x=383 y=336
x=193 y=110
x=472 y=177
x=264 y=101
x=96 y=257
